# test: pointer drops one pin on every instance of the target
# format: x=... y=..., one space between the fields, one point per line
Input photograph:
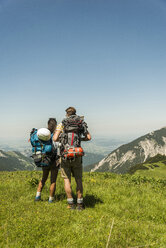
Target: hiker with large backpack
x=45 y=156
x=70 y=133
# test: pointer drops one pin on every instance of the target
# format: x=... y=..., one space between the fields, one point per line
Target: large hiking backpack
x=43 y=151
x=74 y=127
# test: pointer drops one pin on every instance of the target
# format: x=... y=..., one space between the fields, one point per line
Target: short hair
x=70 y=111
x=52 y=124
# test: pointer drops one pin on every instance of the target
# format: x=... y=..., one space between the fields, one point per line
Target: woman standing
x=53 y=169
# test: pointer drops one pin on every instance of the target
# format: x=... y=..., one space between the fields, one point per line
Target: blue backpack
x=43 y=152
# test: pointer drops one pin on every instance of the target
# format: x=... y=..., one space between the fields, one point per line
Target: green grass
x=135 y=203
x=154 y=167
x=157 y=170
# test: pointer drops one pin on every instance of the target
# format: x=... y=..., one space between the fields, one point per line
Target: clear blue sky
x=105 y=57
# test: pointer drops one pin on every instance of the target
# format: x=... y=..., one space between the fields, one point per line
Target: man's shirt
x=59 y=127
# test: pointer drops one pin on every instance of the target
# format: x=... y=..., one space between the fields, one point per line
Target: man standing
x=71 y=132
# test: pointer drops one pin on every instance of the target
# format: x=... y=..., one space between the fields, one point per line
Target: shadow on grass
x=60 y=197
x=91 y=200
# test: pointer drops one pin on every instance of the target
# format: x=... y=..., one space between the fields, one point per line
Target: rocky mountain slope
x=135 y=152
x=14 y=161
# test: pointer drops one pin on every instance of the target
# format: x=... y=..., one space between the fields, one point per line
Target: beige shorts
x=71 y=166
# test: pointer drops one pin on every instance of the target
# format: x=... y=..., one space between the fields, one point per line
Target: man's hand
x=87 y=138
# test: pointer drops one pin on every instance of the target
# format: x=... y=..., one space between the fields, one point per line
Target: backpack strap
x=72 y=138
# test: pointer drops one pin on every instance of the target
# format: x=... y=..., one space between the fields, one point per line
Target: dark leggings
x=54 y=172
x=53 y=176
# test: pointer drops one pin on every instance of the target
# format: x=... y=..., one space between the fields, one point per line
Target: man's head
x=70 y=111
x=52 y=124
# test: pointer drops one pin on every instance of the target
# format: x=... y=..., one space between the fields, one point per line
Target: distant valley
x=100 y=154
x=16 y=156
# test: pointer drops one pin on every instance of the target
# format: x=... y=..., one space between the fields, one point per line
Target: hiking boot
x=71 y=206
x=38 y=198
x=80 y=206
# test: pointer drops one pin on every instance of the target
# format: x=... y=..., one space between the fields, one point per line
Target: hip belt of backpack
x=73 y=152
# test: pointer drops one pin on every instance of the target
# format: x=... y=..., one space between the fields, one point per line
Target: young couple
x=67 y=133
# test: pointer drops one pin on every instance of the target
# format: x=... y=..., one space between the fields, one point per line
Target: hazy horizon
x=24 y=141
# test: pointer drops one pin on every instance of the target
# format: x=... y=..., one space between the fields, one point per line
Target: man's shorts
x=71 y=166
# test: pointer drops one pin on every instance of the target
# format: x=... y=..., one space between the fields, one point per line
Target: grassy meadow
x=154 y=167
x=122 y=211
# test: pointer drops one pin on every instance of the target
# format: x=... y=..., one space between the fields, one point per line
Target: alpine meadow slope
x=154 y=167
x=133 y=206
x=136 y=152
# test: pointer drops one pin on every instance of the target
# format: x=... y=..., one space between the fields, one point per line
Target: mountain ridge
x=138 y=151
x=14 y=161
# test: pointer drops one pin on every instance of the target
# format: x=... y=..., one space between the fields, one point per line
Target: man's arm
x=85 y=132
x=87 y=138
x=56 y=135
